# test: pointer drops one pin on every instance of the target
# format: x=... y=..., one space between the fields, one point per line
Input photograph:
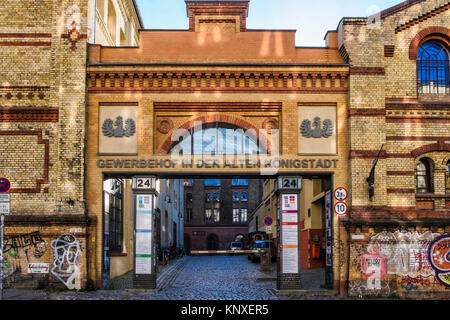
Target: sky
x=311 y=18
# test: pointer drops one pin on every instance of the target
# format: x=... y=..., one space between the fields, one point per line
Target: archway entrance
x=212 y=242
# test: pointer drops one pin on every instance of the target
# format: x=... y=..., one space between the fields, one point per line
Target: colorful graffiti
x=419 y=260
x=66 y=259
x=374 y=267
x=439 y=258
x=406 y=252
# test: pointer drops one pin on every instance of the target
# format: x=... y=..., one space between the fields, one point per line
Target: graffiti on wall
x=359 y=288
x=406 y=252
x=22 y=250
x=420 y=260
x=439 y=258
x=66 y=259
x=374 y=267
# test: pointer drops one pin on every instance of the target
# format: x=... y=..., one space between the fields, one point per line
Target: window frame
x=428 y=174
x=436 y=67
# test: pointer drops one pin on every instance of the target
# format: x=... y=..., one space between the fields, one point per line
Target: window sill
x=434 y=97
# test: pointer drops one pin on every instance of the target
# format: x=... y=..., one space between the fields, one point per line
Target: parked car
x=236 y=246
x=262 y=245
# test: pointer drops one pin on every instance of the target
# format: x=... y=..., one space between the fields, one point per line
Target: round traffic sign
x=340 y=194
x=268 y=221
x=340 y=208
x=5 y=185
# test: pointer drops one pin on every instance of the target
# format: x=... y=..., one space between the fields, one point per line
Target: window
x=447 y=177
x=208 y=197
x=239 y=182
x=113 y=194
x=217 y=138
x=216 y=215
x=189 y=197
x=188 y=182
x=216 y=197
x=433 y=68
x=212 y=183
x=424 y=176
x=208 y=214
x=243 y=215
x=235 y=215
x=188 y=214
x=235 y=197
x=243 y=196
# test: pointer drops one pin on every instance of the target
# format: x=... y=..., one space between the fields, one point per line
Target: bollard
x=265 y=258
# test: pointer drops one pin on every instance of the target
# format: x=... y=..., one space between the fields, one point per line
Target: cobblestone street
x=191 y=278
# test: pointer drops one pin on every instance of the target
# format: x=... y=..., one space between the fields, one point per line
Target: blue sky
x=311 y=18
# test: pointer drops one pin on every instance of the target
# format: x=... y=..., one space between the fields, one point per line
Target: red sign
x=268 y=221
x=341 y=208
x=341 y=194
x=5 y=185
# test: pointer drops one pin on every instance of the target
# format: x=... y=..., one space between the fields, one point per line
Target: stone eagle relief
x=119 y=131
x=318 y=131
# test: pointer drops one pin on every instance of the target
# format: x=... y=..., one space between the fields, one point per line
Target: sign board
x=340 y=208
x=144 y=243
x=268 y=229
x=341 y=194
x=5 y=185
x=5 y=200
x=144 y=183
x=290 y=183
x=268 y=221
x=289 y=233
x=38 y=267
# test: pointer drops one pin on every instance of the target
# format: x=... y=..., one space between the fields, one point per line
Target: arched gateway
x=221 y=100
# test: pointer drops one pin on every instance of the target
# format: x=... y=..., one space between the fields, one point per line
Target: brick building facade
x=368 y=82
x=216 y=211
x=392 y=102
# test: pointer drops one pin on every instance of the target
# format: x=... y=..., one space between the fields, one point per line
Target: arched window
x=447 y=177
x=424 y=176
x=218 y=138
x=235 y=197
x=244 y=196
x=433 y=68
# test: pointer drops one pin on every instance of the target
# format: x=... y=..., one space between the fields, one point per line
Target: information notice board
x=289 y=233
x=144 y=214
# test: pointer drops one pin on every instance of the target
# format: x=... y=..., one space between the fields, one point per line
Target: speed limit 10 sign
x=340 y=194
x=341 y=208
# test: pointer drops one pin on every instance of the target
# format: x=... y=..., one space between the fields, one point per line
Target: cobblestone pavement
x=193 y=278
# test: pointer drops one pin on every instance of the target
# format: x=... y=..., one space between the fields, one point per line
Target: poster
x=289 y=233
x=143 y=264
x=144 y=241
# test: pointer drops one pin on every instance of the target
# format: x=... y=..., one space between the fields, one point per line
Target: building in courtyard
x=216 y=211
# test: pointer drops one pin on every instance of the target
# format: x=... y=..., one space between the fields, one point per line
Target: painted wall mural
x=66 y=260
x=439 y=258
x=21 y=251
x=416 y=260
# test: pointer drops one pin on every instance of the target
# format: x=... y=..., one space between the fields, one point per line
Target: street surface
x=189 y=278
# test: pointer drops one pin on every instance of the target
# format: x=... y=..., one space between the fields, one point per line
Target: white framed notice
x=289 y=233
x=144 y=233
